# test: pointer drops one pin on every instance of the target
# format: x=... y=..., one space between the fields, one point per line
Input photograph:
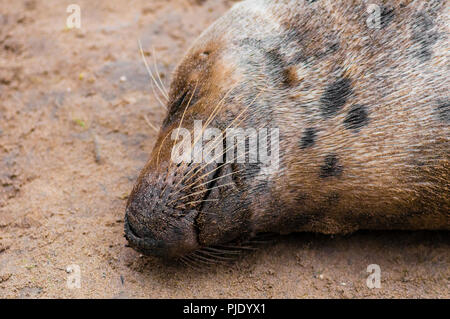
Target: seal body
x=359 y=95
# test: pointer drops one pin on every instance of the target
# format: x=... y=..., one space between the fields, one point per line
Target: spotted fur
x=363 y=118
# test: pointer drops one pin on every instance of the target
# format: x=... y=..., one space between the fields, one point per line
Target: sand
x=76 y=118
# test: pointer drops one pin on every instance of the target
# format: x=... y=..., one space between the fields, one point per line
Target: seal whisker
x=159 y=150
x=217 y=108
x=193 y=263
x=208 y=121
x=184 y=262
x=161 y=103
x=215 y=256
x=150 y=72
x=162 y=143
x=197 y=202
x=200 y=192
x=211 y=117
x=232 y=123
x=157 y=73
x=203 y=259
x=216 y=179
x=218 y=167
x=205 y=174
x=222 y=251
x=178 y=130
x=150 y=124
x=200 y=177
x=182 y=117
x=237 y=247
x=201 y=168
x=214 y=259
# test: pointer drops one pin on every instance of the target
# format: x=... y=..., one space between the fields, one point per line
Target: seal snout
x=156 y=229
x=179 y=238
x=143 y=244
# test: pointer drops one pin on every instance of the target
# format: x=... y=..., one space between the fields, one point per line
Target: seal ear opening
x=205 y=54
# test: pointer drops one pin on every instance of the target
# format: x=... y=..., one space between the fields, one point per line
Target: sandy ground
x=73 y=137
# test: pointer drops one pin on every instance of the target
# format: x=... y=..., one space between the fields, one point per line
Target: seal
x=357 y=94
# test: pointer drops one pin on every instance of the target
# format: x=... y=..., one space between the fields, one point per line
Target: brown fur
x=363 y=119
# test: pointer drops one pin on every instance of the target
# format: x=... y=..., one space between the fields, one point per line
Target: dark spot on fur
x=290 y=76
x=443 y=110
x=273 y=61
x=334 y=46
x=308 y=138
x=356 y=118
x=423 y=36
x=277 y=67
x=387 y=15
x=331 y=167
x=335 y=96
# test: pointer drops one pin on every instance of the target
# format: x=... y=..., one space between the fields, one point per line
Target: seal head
x=363 y=123
x=176 y=208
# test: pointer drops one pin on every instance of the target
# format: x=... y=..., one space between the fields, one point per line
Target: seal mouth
x=144 y=245
x=183 y=238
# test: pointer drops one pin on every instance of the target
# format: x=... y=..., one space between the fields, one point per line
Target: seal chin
x=180 y=238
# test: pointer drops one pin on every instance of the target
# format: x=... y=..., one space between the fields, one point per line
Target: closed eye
x=174 y=107
x=177 y=103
